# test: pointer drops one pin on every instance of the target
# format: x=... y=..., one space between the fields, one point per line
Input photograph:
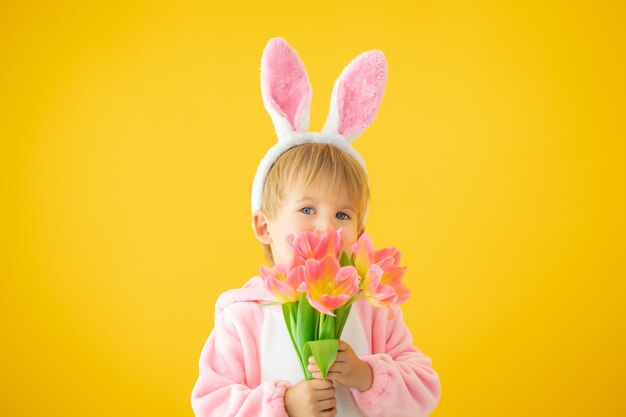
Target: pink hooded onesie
x=232 y=383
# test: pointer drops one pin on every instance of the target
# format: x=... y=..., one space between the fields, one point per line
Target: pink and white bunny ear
x=285 y=88
x=357 y=95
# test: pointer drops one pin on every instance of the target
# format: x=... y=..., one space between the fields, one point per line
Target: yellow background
x=131 y=132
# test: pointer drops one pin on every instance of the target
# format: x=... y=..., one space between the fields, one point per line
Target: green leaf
x=269 y=304
x=344 y=261
x=307 y=323
x=327 y=329
x=324 y=352
x=290 y=320
x=342 y=314
x=342 y=317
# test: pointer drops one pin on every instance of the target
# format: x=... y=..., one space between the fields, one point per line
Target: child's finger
x=330 y=376
x=321 y=384
x=328 y=413
x=326 y=404
x=335 y=376
x=343 y=356
x=323 y=394
x=338 y=367
x=317 y=374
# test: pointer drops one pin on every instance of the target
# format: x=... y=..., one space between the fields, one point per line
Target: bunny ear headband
x=286 y=92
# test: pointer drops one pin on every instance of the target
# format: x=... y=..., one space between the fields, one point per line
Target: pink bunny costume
x=248 y=362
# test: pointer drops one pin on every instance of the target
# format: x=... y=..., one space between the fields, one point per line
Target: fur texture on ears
x=286 y=93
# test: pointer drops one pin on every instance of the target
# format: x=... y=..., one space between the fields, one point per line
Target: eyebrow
x=303 y=199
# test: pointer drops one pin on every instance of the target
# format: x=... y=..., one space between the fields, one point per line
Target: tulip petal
x=363 y=251
x=319 y=306
x=327 y=284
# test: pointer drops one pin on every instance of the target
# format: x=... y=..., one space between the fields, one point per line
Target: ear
x=357 y=95
x=259 y=225
x=285 y=88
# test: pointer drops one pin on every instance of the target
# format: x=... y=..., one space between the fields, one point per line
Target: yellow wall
x=131 y=134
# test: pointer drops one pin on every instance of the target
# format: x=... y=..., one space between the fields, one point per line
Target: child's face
x=311 y=209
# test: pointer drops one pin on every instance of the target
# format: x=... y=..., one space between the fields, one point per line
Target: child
x=311 y=181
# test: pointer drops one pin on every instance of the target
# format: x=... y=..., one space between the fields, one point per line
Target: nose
x=324 y=223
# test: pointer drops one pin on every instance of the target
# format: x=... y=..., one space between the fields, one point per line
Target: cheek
x=348 y=240
x=282 y=251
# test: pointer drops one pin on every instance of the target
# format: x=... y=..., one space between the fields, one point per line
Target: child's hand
x=314 y=398
x=348 y=369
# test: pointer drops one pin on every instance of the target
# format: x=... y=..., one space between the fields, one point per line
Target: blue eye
x=306 y=208
x=346 y=218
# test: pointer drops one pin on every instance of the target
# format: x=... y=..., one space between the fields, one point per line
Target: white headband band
x=286 y=93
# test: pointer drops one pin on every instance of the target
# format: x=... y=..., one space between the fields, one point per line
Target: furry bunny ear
x=357 y=95
x=285 y=88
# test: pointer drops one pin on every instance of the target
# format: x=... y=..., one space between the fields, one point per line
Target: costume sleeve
x=228 y=367
x=404 y=383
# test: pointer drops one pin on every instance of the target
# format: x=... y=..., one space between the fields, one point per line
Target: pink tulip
x=316 y=244
x=391 y=251
x=327 y=284
x=283 y=280
x=392 y=276
x=388 y=259
x=363 y=251
x=377 y=293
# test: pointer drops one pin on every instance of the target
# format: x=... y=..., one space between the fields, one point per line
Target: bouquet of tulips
x=318 y=285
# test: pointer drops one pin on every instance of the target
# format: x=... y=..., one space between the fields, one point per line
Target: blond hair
x=327 y=165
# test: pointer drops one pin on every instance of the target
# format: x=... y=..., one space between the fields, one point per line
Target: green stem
x=294 y=312
x=357 y=298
